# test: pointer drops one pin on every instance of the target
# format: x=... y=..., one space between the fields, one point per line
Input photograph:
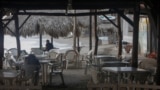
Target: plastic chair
x=57 y=68
x=10 y=60
x=52 y=54
x=89 y=60
x=36 y=51
x=71 y=57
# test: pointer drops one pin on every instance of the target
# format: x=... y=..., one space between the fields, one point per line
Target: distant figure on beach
x=49 y=45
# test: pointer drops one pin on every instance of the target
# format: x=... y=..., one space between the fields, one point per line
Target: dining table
x=115 y=64
x=107 y=60
x=124 y=73
x=98 y=59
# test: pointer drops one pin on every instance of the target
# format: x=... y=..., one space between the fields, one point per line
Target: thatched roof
x=54 y=26
x=59 y=26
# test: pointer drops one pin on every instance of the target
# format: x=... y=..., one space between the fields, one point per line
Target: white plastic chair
x=36 y=51
x=89 y=60
x=57 y=68
x=71 y=57
x=52 y=54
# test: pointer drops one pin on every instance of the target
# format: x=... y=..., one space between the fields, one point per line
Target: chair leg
x=66 y=64
x=86 y=68
x=50 y=78
x=62 y=79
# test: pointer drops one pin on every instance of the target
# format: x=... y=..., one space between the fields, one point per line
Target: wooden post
x=17 y=33
x=90 y=32
x=40 y=36
x=78 y=47
x=135 y=37
x=120 y=38
x=96 y=36
x=74 y=32
x=1 y=41
x=158 y=52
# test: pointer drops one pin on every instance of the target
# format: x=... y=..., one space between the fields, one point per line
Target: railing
x=20 y=86
x=122 y=86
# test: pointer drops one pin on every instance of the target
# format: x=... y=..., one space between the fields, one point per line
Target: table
x=102 y=58
x=9 y=76
x=44 y=67
x=99 y=60
x=41 y=56
x=124 y=70
x=114 y=64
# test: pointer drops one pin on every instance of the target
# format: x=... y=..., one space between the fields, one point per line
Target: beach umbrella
x=56 y=26
x=53 y=25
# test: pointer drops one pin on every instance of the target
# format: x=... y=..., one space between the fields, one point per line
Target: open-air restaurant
x=80 y=45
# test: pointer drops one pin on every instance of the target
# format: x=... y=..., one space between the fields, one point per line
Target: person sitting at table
x=49 y=45
x=31 y=68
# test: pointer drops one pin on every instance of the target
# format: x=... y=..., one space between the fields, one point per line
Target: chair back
x=10 y=60
x=36 y=51
x=13 y=51
x=57 y=64
x=89 y=54
x=52 y=54
x=71 y=55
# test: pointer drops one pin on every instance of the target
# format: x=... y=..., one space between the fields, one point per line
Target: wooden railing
x=122 y=86
x=27 y=85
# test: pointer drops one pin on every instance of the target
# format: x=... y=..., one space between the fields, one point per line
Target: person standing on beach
x=49 y=45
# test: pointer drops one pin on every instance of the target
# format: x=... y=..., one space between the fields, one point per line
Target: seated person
x=128 y=47
x=31 y=68
x=49 y=45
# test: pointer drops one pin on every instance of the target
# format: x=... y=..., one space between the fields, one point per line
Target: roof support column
x=120 y=38
x=135 y=36
x=96 y=36
x=1 y=41
x=158 y=52
x=17 y=33
x=90 y=31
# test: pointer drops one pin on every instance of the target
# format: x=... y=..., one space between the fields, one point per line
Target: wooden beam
x=4 y=26
x=110 y=21
x=124 y=17
x=10 y=30
x=24 y=21
x=64 y=14
x=17 y=34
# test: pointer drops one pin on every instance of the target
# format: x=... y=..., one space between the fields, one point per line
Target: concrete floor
x=75 y=79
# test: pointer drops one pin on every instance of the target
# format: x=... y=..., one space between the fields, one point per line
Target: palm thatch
x=54 y=26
